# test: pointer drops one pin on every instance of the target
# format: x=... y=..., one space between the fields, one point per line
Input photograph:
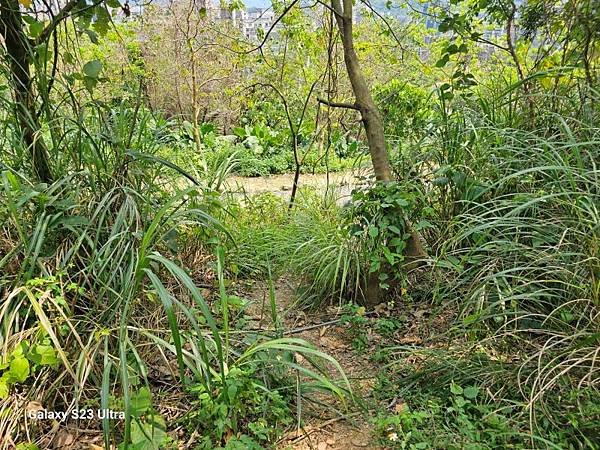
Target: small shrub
x=242 y=412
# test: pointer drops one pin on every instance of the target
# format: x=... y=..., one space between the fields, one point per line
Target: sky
x=257 y=3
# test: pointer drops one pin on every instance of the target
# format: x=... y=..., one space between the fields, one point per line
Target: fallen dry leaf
x=410 y=340
x=399 y=407
x=332 y=343
x=63 y=439
x=55 y=426
x=34 y=406
x=381 y=308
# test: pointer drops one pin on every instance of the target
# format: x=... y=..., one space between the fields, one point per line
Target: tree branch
x=367 y=3
x=63 y=14
x=338 y=105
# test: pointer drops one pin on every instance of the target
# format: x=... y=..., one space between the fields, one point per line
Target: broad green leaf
x=141 y=402
x=442 y=61
x=26 y=446
x=149 y=436
x=43 y=355
x=3 y=389
x=68 y=58
x=231 y=391
x=92 y=68
x=373 y=231
x=452 y=49
x=92 y=35
x=423 y=224
x=460 y=401
x=471 y=392
x=35 y=28
x=19 y=369
x=90 y=83
x=395 y=229
x=20 y=349
x=456 y=389
x=102 y=21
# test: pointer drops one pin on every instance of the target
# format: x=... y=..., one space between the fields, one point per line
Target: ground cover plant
x=340 y=225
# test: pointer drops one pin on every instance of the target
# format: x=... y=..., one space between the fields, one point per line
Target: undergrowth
x=95 y=293
x=511 y=221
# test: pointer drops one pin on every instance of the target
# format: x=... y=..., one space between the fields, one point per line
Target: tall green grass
x=516 y=253
x=311 y=244
x=91 y=266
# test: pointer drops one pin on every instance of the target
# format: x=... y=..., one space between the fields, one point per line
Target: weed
x=353 y=317
x=460 y=419
x=253 y=415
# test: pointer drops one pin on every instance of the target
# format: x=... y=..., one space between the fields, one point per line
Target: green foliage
x=462 y=418
x=255 y=413
x=388 y=326
x=311 y=241
x=514 y=237
x=379 y=217
x=256 y=151
x=29 y=446
x=323 y=253
x=260 y=229
x=495 y=144
x=148 y=428
x=353 y=317
x=471 y=397
x=23 y=361
x=405 y=109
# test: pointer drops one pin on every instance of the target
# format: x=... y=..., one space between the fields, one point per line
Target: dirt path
x=324 y=430
x=340 y=183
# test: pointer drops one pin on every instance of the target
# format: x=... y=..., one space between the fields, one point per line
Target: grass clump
x=96 y=293
x=311 y=242
x=518 y=259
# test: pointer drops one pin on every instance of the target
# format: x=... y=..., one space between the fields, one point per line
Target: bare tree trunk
x=371 y=118
x=364 y=100
x=19 y=52
x=373 y=125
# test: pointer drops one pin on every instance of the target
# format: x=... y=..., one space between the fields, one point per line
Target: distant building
x=251 y=20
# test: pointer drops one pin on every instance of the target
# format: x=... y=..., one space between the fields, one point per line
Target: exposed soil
x=328 y=425
x=322 y=429
x=339 y=183
x=328 y=430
